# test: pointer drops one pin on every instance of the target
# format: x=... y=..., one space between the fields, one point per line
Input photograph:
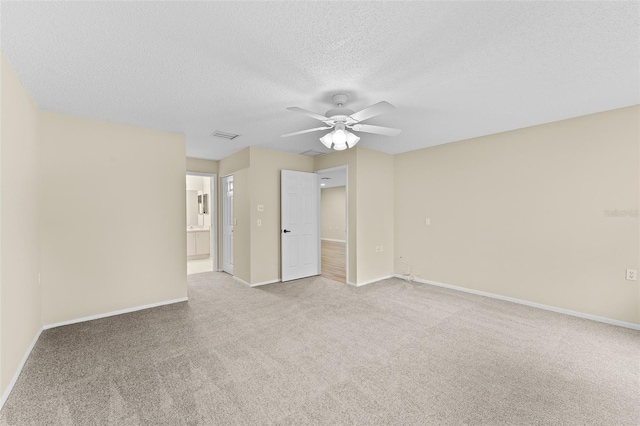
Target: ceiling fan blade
x=309 y=113
x=372 y=111
x=379 y=130
x=306 y=131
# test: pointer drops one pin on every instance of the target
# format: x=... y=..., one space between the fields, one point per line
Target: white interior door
x=227 y=224
x=300 y=234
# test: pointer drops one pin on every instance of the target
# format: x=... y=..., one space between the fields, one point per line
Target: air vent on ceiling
x=312 y=153
x=223 y=135
x=325 y=178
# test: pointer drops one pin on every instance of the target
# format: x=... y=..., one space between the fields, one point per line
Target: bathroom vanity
x=198 y=243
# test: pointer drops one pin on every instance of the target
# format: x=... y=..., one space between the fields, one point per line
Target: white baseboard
x=110 y=314
x=331 y=239
x=265 y=283
x=241 y=281
x=531 y=304
x=256 y=284
x=371 y=281
x=198 y=257
x=14 y=379
x=6 y=393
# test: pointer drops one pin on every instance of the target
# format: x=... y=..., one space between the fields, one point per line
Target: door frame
x=221 y=224
x=346 y=203
x=213 y=209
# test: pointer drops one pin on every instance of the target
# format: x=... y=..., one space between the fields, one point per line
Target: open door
x=227 y=224
x=300 y=235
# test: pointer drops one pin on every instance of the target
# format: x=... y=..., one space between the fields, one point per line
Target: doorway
x=201 y=219
x=333 y=223
x=227 y=224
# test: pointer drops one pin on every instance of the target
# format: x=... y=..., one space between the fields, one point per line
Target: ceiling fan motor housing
x=340 y=99
x=339 y=114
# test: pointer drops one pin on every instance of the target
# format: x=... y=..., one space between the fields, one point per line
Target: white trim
x=265 y=283
x=371 y=281
x=331 y=239
x=222 y=204
x=110 y=314
x=532 y=304
x=14 y=379
x=241 y=281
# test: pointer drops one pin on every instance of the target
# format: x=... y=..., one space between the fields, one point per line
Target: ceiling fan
x=340 y=119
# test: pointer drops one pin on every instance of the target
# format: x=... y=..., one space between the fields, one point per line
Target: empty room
x=319 y=213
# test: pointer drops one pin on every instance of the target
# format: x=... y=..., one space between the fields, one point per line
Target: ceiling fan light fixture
x=352 y=139
x=339 y=140
x=327 y=140
x=340 y=146
x=339 y=137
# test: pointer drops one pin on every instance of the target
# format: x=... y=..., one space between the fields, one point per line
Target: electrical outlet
x=260 y=207
x=632 y=274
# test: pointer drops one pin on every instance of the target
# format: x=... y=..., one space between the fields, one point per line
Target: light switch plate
x=260 y=207
x=259 y=222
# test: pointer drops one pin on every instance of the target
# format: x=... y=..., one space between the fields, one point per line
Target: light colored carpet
x=315 y=351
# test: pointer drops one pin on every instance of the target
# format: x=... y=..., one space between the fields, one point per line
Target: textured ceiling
x=453 y=70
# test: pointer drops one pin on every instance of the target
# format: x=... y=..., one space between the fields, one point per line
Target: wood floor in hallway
x=334 y=260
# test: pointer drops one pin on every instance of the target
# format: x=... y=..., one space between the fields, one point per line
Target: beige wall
x=97 y=256
x=375 y=171
x=265 y=190
x=20 y=293
x=522 y=213
x=202 y=166
x=333 y=213
x=238 y=161
x=242 y=228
